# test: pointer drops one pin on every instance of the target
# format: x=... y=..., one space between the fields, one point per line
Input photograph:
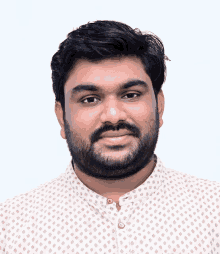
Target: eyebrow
x=91 y=87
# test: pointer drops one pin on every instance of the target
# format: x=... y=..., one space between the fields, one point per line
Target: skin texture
x=111 y=171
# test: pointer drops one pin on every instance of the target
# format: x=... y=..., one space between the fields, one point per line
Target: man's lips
x=114 y=134
x=114 y=140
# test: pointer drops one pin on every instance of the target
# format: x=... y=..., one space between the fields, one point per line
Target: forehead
x=107 y=73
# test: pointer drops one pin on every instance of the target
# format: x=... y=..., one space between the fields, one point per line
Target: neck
x=116 y=188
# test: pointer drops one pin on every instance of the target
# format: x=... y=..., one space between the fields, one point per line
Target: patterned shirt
x=171 y=212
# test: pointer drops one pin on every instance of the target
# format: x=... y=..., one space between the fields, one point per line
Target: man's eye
x=138 y=95
x=90 y=99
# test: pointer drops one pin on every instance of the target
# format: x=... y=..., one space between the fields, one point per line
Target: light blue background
x=32 y=150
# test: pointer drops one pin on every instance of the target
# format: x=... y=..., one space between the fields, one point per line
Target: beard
x=94 y=162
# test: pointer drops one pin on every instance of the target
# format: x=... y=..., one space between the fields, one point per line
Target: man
x=116 y=195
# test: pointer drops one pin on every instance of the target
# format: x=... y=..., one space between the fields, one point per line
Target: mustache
x=133 y=129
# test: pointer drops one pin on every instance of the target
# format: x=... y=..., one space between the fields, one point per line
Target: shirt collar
x=146 y=189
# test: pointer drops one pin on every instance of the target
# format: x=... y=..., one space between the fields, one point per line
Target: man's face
x=91 y=114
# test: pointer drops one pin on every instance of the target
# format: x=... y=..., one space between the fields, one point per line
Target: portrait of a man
x=116 y=195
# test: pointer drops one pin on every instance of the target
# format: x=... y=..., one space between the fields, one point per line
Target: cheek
x=144 y=116
x=83 y=121
x=142 y=111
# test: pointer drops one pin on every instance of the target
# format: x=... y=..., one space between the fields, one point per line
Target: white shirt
x=171 y=212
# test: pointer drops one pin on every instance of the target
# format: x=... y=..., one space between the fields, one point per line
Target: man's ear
x=59 y=114
x=161 y=103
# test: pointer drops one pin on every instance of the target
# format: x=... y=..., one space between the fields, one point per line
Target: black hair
x=104 y=39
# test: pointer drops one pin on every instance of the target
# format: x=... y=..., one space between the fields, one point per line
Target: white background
x=32 y=150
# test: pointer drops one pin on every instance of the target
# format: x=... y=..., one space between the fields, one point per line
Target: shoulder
x=21 y=207
x=192 y=185
x=26 y=202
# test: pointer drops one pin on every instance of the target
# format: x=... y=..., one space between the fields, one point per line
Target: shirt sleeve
x=3 y=219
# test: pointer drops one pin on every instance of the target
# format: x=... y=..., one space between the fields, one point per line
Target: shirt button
x=121 y=225
x=110 y=201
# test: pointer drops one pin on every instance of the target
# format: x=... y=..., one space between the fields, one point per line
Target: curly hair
x=104 y=39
